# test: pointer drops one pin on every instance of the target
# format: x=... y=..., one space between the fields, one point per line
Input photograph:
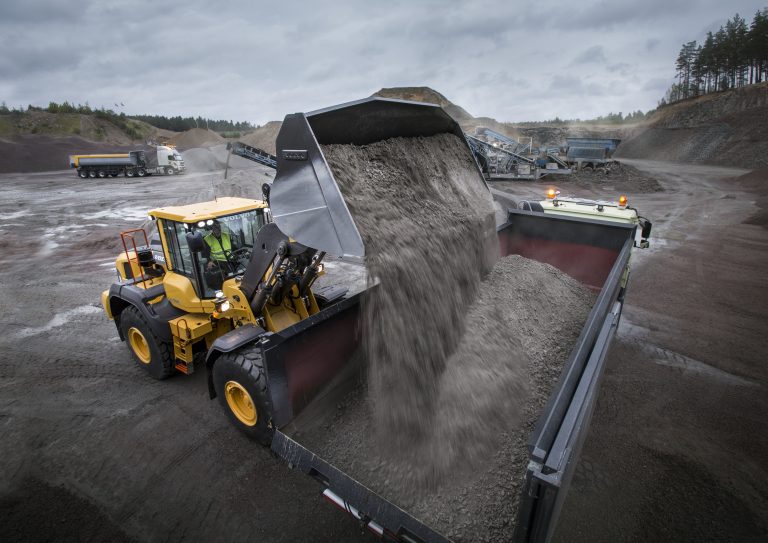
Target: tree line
x=176 y=124
x=734 y=56
x=179 y=124
x=610 y=118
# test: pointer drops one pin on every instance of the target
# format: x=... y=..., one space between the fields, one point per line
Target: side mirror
x=195 y=241
x=645 y=226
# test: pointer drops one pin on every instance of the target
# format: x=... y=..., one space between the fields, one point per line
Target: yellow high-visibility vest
x=219 y=250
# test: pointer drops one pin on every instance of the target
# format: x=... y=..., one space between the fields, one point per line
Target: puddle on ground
x=121 y=214
x=59 y=319
x=14 y=215
x=47 y=248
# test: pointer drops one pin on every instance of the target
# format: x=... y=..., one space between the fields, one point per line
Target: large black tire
x=241 y=386
x=129 y=173
x=82 y=173
x=150 y=352
x=141 y=172
x=169 y=171
x=91 y=173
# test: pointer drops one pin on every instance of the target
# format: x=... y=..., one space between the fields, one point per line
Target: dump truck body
x=595 y=252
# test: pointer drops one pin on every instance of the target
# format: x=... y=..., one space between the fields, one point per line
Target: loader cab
x=206 y=244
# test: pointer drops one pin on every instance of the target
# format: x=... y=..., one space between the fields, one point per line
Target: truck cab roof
x=590 y=209
x=220 y=207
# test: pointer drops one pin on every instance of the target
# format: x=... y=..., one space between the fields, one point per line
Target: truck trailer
x=162 y=160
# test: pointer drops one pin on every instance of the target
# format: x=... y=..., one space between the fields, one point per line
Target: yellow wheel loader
x=217 y=270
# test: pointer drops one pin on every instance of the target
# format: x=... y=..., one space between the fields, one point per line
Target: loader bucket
x=306 y=202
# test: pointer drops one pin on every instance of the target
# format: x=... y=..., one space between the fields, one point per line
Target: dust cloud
x=439 y=365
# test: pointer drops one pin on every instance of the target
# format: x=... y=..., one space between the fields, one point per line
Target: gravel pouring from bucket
x=305 y=199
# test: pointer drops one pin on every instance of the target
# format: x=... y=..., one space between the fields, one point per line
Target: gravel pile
x=464 y=477
x=196 y=137
x=428 y=225
x=618 y=176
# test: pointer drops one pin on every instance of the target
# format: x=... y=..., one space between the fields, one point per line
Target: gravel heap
x=428 y=226
x=617 y=175
x=196 y=137
x=464 y=476
x=460 y=350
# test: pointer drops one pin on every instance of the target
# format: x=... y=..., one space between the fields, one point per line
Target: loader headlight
x=221 y=302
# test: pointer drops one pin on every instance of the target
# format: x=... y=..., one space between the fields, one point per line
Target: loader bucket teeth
x=305 y=199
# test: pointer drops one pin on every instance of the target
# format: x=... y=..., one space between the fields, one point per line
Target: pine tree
x=757 y=46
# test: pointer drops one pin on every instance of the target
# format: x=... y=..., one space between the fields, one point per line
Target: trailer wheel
x=241 y=386
x=91 y=173
x=141 y=172
x=151 y=353
x=169 y=171
x=83 y=174
x=129 y=173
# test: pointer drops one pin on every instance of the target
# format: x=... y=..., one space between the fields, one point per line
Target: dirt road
x=93 y=450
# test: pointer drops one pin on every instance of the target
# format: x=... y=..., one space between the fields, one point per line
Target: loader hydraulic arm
x=291 y=264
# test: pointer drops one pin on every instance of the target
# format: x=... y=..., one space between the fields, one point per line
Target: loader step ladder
x=128 y=237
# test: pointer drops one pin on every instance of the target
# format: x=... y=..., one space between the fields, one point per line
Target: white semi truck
x=162 y=160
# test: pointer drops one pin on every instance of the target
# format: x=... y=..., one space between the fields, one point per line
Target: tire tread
x=167 y=363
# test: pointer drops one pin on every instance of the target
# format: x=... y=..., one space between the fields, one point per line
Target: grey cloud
x=622 y=68
x=501 y=78
x=567 y=83
x=659 y=84
x=652 y=44
x=609 y=13
x=572 y=85
x=237 y=60
x=593 y=55
x=19 y=59
x=39 y=11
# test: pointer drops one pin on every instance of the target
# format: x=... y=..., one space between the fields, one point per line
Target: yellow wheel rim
x=139 y=345
x=240 y=403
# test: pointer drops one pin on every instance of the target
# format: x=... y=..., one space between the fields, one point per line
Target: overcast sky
x=257 y=61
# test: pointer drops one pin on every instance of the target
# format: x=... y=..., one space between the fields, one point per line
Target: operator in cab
x=219 y=247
